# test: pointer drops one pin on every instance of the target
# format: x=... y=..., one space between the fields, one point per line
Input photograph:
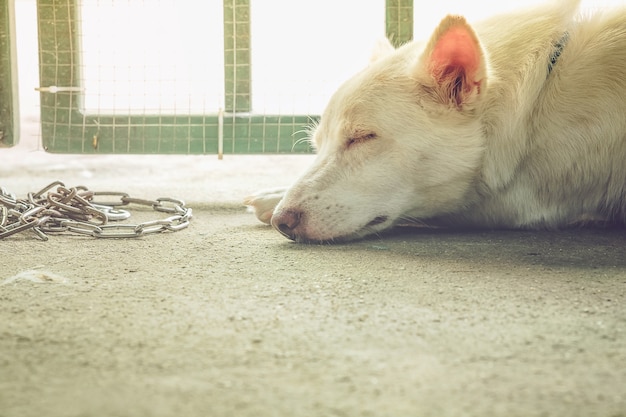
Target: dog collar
x=558 y=50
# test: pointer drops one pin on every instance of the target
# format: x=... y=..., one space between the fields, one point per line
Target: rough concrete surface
x=228 y=318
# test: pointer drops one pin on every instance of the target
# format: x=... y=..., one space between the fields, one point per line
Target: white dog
x=517 y=122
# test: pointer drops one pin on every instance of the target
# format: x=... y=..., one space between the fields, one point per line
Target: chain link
x=82 y=211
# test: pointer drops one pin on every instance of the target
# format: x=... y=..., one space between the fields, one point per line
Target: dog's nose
x=285 y=221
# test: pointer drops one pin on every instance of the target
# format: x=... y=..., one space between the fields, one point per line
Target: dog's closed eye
x=360 y=137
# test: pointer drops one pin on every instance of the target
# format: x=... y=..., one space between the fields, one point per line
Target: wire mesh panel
x=182 y=76
x=8 y=84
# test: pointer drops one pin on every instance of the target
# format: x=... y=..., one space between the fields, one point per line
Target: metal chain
x=80 y=210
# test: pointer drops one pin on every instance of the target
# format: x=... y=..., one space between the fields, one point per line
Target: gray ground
x=228 y=318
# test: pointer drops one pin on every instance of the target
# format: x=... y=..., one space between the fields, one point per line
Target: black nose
x=286 y=221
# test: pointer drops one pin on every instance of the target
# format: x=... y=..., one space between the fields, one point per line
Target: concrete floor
x=228 y=318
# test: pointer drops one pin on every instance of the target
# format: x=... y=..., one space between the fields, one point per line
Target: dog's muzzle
x=286 y=221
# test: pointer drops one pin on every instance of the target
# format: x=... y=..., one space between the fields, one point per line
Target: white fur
x=515 y=146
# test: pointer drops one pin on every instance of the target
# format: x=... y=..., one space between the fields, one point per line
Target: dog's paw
x=262 y=203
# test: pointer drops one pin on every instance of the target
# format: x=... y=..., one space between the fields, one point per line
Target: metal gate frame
x=66 y=129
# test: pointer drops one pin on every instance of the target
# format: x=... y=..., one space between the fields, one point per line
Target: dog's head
x=402 y=139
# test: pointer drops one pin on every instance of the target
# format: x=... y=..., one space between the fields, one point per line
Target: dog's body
x=518 y=122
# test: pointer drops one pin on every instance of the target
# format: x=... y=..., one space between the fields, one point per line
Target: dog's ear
x=382 y=48
x=452 y=67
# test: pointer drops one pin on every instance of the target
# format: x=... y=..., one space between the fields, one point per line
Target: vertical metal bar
x=399 y=21
x=58 y=66
x=220 y=134
x=237 y=56
x=9 y=114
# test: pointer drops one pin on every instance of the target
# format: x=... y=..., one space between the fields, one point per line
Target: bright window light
x=303 y=50
x=164 y=57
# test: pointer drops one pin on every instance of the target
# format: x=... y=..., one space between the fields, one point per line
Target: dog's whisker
x=299 y=141
x=308 y=130
x=413 y=221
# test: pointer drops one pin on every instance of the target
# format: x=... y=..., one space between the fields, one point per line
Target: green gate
x=235 y=128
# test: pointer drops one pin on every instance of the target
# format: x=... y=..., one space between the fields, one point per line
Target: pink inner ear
x=458 y=49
